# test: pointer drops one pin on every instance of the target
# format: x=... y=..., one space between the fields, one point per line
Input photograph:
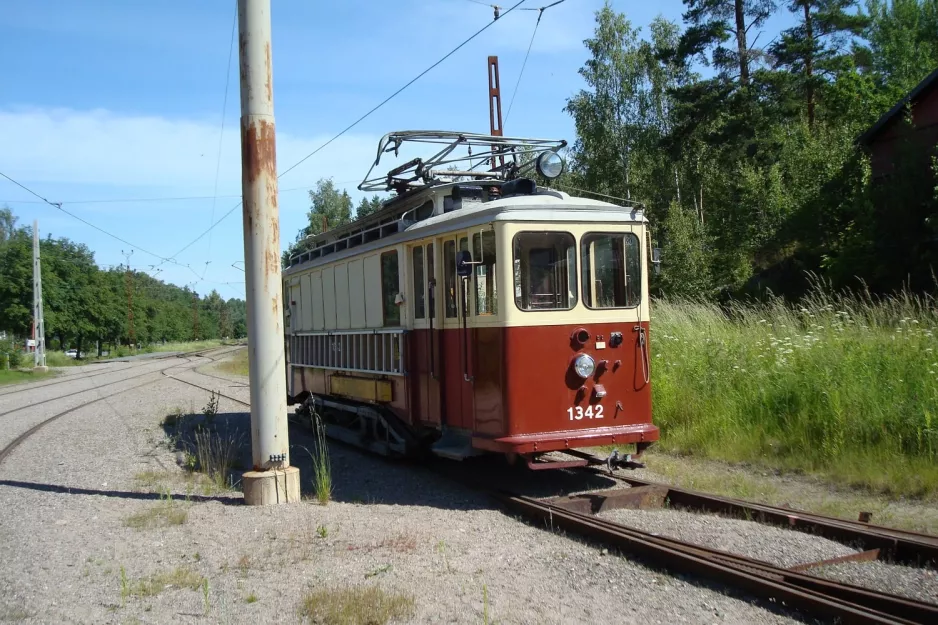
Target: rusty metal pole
x=272 y=479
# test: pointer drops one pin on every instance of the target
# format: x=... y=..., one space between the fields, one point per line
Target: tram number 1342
x=576 y=414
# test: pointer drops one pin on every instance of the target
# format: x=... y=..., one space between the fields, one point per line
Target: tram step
x=454 y=452
x=455 y=444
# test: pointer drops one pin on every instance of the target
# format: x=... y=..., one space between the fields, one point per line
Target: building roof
x=867 y=137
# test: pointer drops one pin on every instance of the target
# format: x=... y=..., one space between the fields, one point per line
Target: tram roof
x=544 y=205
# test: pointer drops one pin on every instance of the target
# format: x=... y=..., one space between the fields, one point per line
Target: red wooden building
x=883 y=137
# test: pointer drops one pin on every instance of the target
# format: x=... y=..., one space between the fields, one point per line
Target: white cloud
x=98 y=147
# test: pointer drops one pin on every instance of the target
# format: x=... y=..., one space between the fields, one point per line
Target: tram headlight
x=549 y=164
x=584 y=366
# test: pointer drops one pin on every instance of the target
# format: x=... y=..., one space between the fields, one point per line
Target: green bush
x=9 y=353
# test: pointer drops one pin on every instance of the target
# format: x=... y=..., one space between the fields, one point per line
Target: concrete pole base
x=262 y=488
x=41 y=369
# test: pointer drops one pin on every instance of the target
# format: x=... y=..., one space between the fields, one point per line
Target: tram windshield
x=545 y=270
x=612 y=270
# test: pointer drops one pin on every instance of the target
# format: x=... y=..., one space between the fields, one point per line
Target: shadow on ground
x=359 y=476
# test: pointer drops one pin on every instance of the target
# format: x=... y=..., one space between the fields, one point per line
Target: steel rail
x=763 y=580
x=12 y=389
x=900 y=545
x=16 y=442
x=100 y=386
x=910 y=609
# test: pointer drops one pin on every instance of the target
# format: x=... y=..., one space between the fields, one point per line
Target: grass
x=215 y=454
x=322 y=467
x=59 y=359
x=180 y=577
x=237 y=364
x=16 y=376
x=165 y=514
x=839 y=385
x=367 y=605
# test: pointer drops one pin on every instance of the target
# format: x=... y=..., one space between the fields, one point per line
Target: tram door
x=456 y=345
x=425 y=364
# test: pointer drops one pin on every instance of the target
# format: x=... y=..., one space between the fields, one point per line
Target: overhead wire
x=58 y=206
x=355 y=123
x=221 y=134
x=168 y=199
x=540 y=14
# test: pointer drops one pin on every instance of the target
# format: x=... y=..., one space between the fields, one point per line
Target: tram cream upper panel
x=346 y=291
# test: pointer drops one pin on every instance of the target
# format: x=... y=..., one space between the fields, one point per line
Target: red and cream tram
x=475 y=312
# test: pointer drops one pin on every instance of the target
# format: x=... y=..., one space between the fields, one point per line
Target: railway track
x=16 y=442
x=849 y=604
x=25 y=387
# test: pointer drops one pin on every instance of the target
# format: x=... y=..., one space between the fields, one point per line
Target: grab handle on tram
x=465 y=334
x=431 y=285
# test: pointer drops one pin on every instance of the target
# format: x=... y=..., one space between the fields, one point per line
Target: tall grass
x=845 y=385
x=322 y=467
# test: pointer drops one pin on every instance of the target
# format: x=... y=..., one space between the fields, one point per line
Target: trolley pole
x=273 y=480
x=39 y=329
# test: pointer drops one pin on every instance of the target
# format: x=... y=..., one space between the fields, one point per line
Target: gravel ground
x=69 y=492
x=778 y=546
x=915 y=583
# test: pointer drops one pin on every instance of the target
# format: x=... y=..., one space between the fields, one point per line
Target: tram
x=477 y=312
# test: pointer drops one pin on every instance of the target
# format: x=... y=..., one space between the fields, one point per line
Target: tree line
x=85 y=305
x=743 y=147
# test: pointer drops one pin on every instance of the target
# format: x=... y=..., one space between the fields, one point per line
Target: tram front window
x=545 y=271
x=612 y=270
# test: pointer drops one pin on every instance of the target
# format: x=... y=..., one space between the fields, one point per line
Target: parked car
x=71 y=353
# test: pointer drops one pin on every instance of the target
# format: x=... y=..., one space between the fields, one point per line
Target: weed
x=244 y=564
x=210 y=410
x=251 y=598
x=125 y=587
x=214 y=455
x=378 y=571
x=367 y=605
x=322 y=531
x=164 y=514
x=197 y=557
x=441 y=549
x=153 y=585
x=173 y=418
x=205 y=594
x=322 y=468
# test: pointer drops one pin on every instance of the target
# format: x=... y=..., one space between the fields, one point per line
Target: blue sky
x=122 y=100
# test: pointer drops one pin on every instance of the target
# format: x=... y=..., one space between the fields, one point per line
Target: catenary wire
x=352 y=125
x=511 y=102
x=221 y=135
x=58 y=206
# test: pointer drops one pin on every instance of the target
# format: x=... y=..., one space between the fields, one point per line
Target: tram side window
x=420 y=309
x=449 y=277
x=545 y=270
x=612 y=270
x=483 y=251
x=390 y=286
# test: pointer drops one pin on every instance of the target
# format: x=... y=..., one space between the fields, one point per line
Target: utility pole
x=273 y=480
x=195 y=315
x=495 y=108
x=128 y=281
x=39 y=328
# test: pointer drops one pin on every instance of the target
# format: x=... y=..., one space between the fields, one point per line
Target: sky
x=114 y=108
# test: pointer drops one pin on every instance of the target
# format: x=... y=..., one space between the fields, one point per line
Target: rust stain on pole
x=260 y=153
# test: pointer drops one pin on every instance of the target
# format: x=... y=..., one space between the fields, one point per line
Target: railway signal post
x=272 y=479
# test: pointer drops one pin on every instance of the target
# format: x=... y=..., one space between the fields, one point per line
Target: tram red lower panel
x=516 y=389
